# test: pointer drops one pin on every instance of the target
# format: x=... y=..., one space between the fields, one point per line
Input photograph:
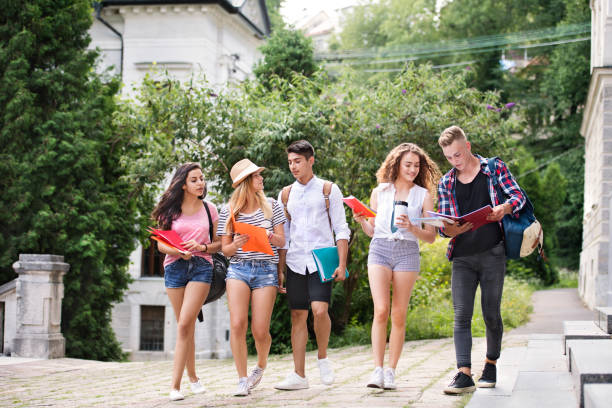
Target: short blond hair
x=450 y=134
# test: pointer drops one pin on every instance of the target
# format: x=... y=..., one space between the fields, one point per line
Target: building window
x=152 y=328
x=152 y=261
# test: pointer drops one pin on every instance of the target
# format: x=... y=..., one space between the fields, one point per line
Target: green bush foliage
x=63 y=191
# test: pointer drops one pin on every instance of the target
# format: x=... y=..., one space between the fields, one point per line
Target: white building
x=595 y=262
x=323 y=26
x=220 y=39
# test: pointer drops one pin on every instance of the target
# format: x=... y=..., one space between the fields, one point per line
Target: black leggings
x=487 y=268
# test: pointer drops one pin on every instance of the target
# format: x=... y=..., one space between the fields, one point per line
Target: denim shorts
x=180 y=272
x=399 y=255
x=255 y=273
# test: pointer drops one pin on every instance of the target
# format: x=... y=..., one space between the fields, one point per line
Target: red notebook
x=359 y=207
x=478 y=217
x=168 y=237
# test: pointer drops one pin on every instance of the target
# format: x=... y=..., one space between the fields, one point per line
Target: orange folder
x=258 y=237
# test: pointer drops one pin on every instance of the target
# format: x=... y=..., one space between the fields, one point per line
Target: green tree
x=389 y=22
x=276 y=20
x=64 y=191
x=287 y=52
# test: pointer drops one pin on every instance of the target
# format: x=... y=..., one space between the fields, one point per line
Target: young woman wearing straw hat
x=252 y=275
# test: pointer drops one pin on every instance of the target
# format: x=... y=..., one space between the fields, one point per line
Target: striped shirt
x=257 y=219
x=447 y=200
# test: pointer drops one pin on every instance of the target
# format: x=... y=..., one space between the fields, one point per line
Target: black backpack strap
x=210 y=223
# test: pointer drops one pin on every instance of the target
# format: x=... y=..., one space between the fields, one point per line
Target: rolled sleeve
x=443 y=203
x=515 y=195
x=286 y=225
x=338 y=215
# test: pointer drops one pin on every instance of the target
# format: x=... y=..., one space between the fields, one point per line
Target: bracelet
x=205 y=248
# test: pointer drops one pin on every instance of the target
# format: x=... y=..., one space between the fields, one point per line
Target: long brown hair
x=169 y=207
x=428 y=176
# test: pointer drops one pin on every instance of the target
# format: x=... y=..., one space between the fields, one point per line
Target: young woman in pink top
x=187 y=275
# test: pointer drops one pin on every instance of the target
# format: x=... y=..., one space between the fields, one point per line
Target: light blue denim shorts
x=181 y=272
x=255 y=273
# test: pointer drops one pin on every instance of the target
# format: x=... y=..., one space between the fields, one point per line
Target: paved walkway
x=425 y=368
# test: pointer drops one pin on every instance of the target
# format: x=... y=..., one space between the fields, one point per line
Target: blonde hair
x=428 y=176
x=450 y=134
x=239 y=197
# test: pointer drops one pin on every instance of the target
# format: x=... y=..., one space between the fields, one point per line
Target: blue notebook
x=327 y=261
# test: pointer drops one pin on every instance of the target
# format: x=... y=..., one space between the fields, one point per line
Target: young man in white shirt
x=311 y=225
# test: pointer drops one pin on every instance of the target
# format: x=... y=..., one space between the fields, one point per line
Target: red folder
x=168 y=237
x=359 y=207
x=478 y=217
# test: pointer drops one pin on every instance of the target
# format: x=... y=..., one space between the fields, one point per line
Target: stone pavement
x=425 y=367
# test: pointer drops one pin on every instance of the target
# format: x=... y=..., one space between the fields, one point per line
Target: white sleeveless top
x=386 y=197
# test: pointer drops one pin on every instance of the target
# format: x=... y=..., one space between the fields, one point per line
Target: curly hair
x=429 y=173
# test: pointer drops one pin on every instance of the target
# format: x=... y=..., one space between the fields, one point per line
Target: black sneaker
x=461 y=383
x=488 y=377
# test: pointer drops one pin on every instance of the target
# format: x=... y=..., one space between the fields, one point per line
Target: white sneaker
x=326 y=371
x=389 y=379
x=293 y=382
x=376 y=379
x=175 y=395
x=243 y=387
x=197 y=387
x=255 y=377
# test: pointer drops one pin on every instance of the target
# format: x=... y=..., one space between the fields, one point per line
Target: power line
x=469 y=45
x=415 y=58
x=557 y=157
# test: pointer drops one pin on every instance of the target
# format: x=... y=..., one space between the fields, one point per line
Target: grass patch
x=435 y=320
x=567 y=279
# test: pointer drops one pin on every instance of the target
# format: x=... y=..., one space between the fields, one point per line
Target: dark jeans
x=487 y=268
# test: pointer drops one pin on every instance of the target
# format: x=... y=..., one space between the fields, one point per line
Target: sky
x=292 y=10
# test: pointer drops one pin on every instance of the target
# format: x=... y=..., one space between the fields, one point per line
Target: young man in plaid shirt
x=479 y=256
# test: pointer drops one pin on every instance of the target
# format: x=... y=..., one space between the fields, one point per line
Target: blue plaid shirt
x=447 y=199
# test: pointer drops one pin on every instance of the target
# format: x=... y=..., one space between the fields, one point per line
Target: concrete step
x=603 y=318
x=597 y=395
x=507 y=372
x=532 y=376
x=582 y=330
x=590 y=362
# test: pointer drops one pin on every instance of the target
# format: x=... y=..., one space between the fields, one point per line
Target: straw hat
x=243 y=169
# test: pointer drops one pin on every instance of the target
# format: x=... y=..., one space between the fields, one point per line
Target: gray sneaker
x=255 y=377
x=326 y=371
x=377 y=379
x=389 y=379
x=243 y=388
x=292 y=382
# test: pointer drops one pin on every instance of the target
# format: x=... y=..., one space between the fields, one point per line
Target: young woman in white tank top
x=406 y=179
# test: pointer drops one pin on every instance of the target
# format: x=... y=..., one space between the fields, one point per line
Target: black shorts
x=303 y=289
